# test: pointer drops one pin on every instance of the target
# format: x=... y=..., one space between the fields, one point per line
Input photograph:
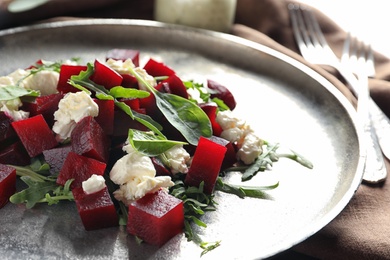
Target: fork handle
x=381 y=124
x=374 y=170
x=379 y=120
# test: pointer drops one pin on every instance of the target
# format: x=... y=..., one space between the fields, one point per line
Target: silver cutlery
x=314 y=48
x=359 y=57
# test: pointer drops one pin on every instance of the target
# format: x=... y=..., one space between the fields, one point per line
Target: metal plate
x=283 y=100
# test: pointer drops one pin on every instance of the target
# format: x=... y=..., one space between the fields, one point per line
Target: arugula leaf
x=34 y=193
x=12 y=92
x=186 y=116
x=150 y=144
x=244 y=191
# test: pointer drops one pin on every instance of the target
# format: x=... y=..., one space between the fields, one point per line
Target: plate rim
x=355 y=184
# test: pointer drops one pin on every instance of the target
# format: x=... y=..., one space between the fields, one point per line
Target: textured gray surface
x=281 y=99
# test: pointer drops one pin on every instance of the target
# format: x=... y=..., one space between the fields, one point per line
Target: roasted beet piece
x=211 y=110
x=66 y=71
x=206 y=164
x=89 y=139
x=230 y=155
x=7 y=183
x=79 y=168
x=161 y=170
x=96 y=210
x=56 y=157
x=222 y=93
x=7 y=133
x=15 y=154
x=156 y=217
x=122 y=123
x=106 y=76
x=35 y=134
x=124 y=54
x=155 y=68
x=45 y=105
x=129 y=81
x=174 y=85
x=105 y=117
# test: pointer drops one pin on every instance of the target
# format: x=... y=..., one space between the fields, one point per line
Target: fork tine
x=298 y=27
x=313 y=25
x=370 y=62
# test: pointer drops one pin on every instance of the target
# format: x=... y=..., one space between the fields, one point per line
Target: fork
x=314 y=49
x=359 y=57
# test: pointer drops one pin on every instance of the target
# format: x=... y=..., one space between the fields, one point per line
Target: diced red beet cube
x=79 y=168
x=6 y=130
x=206 y=164
x=122 y=123
x=66 y=71
x=15 y=154
x=35 y=134
x=7 y=183
x=175 y=85
x=155 y=68
x=161 y=170
x=45 y=105
x=222 y=93
x=89 y=139
x=156 y=217
x=56 y=157
x=129 y=81
x=230 y=155
x=133 y=103
x=124 y=54
x=106 y=76
x=96 y=210
x=105 y=117
x=36 y=64
x=211 y=111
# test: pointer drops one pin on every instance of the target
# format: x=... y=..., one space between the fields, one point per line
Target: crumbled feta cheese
x=15 y=78
x=93 y=184
x=16 y=115
x=250 y=148
x=178 y=159
x=237 y=131
x=45 y=81
x=122 y=67
x=148 y=78
x=140 y=186
x=71 y=109
x=130 y=166
x=11 y=107
x=136 y=175
x=226 y=119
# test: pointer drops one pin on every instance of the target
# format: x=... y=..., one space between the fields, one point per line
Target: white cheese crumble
x=71 y=109
x=136 y=175
x=93 y=184
x=177 y=159
x=45 y=81
x=11 y=107
x=123 y=67
x=120 y=66
x=236 y=130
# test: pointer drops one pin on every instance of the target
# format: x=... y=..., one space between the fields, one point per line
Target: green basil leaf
x=187 y=117
x=121 y=92
x=150 y=144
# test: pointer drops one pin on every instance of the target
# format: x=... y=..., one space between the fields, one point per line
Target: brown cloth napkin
x=361 y=230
